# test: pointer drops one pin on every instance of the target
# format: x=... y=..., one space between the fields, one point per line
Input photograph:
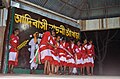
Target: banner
x=29 y=23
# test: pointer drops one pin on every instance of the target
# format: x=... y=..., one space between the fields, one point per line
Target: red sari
x=44 y=49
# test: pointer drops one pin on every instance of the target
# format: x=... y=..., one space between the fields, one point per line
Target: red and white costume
x=63 y=54
x=71 y=60
x=54 y=51
x=85 y=55
x=13 y=55
x=44 y=50
x=91 y=53
x=79 y=61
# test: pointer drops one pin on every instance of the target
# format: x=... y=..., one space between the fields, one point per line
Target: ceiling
x=82 y=9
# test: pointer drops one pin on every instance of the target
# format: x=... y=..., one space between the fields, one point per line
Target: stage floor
x=31 y=76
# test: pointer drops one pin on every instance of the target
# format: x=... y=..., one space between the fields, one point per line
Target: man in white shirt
x=34 y=46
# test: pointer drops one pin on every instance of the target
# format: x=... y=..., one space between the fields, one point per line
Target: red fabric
x=90 y=64
x=79 y=65
x=84 y=52
x=11 y=62
x=91 y=51
x=44 y=39
x=42 y=48
x=71 y=65
x=70 y=49
x=54 y=51
x=55 y=62
x=14 y=42
x=49 y=58
x=15 y=63
x=64 y=45
x=53 y=41
x=79 y=52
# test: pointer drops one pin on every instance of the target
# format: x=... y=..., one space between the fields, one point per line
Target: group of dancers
x=58 y=55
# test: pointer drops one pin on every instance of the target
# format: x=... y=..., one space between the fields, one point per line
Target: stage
x=31 y=76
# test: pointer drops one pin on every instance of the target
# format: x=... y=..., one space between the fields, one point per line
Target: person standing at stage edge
x=13 y=52
x=34 y=46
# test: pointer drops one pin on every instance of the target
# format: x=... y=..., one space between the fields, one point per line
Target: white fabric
x=56 y=58
x=72 y=46
x=33 y=65
x=80 y=61
x=74 y=70
x=61 y=46
x=50 y=41
x=89 y=46
x=86 y=60
x=12 y=56
x=68 y=56
x=86 y=46
x=41 y=46
x=80 y=48
x=91 y=60
x=48 y=52
x=33 y=47
x=45 y=53
x=49 y=38
x=76 y=50
x=71 y=61
x=62 y=58
x=61 y=54
x=9 y=46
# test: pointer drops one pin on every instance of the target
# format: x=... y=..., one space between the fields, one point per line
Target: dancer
x=13 y=54
x=52 y=46
x=56 y=54
x=71 y=59
x=91 y=56
x=85 y=57
x=63 y=55
x=44 y=52
x=78 y=54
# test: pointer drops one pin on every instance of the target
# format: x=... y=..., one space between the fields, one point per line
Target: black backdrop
x=110 y=64
x=27 y=28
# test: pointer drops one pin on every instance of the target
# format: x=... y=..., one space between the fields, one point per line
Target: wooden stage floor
x=32 y=76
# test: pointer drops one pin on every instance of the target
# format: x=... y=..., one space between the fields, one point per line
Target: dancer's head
x=78 y=43
x=85 y=41
x=16 y=31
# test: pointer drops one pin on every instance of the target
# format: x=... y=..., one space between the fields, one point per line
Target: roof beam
x=105 y=9
x=88 y=9
x=101 y=7
x=63 y=5
x=45 y=3
x=82 y=4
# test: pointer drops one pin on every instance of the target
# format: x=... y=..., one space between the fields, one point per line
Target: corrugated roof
x=82 y=9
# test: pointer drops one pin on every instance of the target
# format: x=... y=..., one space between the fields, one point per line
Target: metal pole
x=10 y=27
